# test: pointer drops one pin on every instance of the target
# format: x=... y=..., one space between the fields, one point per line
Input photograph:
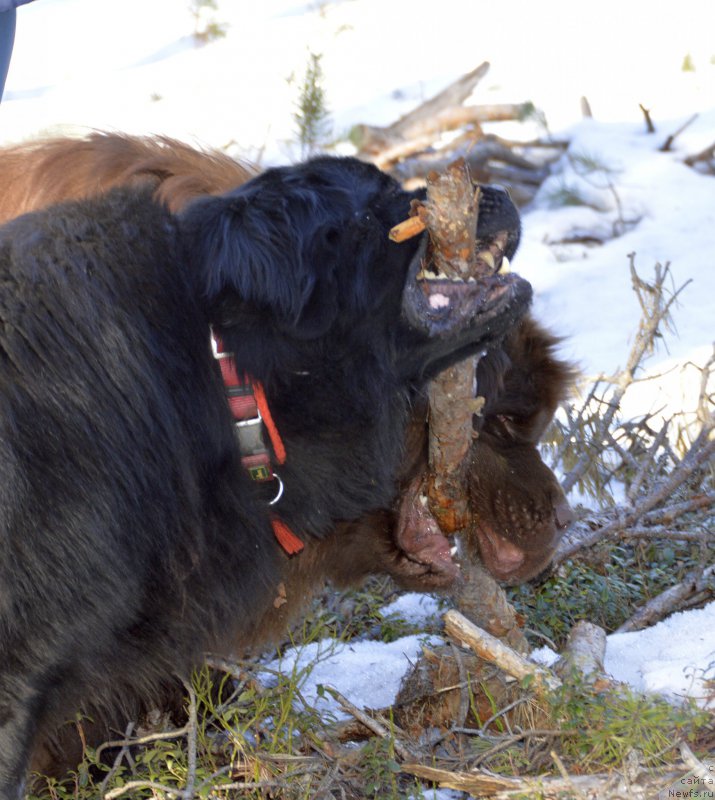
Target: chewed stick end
x=407 y=229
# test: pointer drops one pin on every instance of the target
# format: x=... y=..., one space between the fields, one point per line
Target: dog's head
x=302 y=251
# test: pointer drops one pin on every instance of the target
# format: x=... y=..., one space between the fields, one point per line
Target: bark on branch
x=605 y=786
x=496 y=652
x=372 y=139
x=451 y=214
x=670 y=600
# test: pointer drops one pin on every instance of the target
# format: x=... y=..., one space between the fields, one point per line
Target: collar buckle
x=245 y=399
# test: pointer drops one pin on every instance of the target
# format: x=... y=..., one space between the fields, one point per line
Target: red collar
x=248 y=405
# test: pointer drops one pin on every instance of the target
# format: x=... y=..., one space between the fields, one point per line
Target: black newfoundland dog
x=131 y=534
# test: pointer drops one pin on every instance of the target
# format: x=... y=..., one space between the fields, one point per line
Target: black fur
x=129 y=535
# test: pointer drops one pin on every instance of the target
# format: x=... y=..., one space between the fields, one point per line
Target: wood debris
x=447 y=127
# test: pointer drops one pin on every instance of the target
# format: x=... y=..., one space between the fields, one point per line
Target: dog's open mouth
x=488 y=297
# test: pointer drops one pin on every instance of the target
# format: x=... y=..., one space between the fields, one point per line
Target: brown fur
x=516 y=500
x=47 y=171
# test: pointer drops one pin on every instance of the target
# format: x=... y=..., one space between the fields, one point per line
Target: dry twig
x=369 y=722
x=655 y=308
x=496 y=652
x=697 y=581
x=668 y=143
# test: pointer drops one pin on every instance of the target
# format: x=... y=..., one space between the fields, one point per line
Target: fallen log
x=476 y=154
x=424 y=133
x=605 y=786
x=583 y=654
x=670 y=600
x=372 y=139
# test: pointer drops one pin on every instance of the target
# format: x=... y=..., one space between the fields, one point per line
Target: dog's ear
x=258 y=257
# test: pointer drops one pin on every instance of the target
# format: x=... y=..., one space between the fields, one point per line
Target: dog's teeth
x=440 y=276
x=487 y=257
x=505 y=266
x=453 y=550
x=423 y=500
x=472 y=279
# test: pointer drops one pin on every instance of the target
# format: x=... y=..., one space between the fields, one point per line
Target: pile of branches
x=444 y=129
x=449 y=126
x=665 y=465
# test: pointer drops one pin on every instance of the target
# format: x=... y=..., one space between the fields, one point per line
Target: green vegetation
x=606 y=589
x=311 y=116
x=206 y=26
x=599 y=729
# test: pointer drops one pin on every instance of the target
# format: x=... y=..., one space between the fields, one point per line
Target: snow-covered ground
x=132 y=66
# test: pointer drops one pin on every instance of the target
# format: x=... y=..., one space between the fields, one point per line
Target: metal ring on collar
x=279 y=493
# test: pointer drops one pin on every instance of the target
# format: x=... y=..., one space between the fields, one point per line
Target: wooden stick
x=451 y=213
x=484 y=602
x=370 y=723
x=584 y=652
x=496 y=652
x=408 y=228
x=648 y=121
x=668 y=143
x=481 y=784
x=607 y=786
x=670 y=600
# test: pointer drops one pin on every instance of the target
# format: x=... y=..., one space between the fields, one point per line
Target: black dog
x=130 y=533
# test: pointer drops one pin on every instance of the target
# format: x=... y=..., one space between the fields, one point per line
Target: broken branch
x=407 y=229
x=369 y=722
x=670 y=600
x=584 y=652
x=496 y=652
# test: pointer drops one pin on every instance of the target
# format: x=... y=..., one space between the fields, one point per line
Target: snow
x=673 y=658
x=132 y=66
x=671 y=655
x=367 y=673
x=418 y=608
